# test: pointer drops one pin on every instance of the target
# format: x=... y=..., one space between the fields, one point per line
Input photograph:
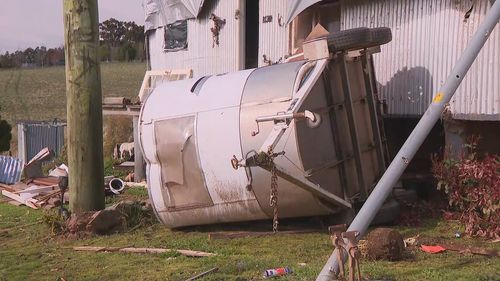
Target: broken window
x=327 y=14
x=176 y=36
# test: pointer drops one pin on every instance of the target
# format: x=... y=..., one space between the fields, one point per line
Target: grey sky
x=39 y=22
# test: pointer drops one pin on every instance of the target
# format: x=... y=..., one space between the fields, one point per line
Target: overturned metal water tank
x=318 y=116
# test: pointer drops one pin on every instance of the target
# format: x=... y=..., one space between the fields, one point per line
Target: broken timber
x=187 y=253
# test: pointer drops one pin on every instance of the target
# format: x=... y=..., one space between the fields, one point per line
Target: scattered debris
x=187 y=253
x=246 y=234
x=432 y=249
x=276 y=272
x=382 y=244
x=34 y=167
x=411 y=241
x=215 y=269
x=116 y=186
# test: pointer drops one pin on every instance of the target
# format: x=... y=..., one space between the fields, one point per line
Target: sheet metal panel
x=160 y=12
x=428 y=38
x=273 y=36
x=10 y=169
x=202 y=55
x=38 y=135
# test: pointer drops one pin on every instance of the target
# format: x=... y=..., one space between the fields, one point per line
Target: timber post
x=84 y=105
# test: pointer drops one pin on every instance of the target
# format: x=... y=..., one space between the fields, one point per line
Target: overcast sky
x=39 y=22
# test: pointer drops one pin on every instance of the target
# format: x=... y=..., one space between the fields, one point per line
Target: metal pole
x=139 y=174
x=417 y=137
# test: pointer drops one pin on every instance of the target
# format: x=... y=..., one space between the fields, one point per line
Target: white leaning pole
x=417 y=137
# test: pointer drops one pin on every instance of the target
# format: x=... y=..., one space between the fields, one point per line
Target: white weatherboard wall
x=200 y=55
x=428 y=38
x=274 y=35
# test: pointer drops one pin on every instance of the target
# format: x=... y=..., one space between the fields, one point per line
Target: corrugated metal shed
x=429 y=37
x=10 y=169
x=201 y=55
x=273 y=36
x=34 y=136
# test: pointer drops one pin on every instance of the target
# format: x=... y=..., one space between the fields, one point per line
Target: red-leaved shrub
x=472 y=185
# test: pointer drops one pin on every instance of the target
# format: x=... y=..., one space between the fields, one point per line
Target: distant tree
x=6 y=61
x=5 y=135
x=29 y=56
x=112 y=32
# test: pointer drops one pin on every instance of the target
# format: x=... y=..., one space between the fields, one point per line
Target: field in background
x=40 y=93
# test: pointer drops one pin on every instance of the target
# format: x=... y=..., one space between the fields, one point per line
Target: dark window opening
x=176 y=36
x=251 y=34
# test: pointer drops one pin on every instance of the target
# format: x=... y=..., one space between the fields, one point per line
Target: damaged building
x=214 y=36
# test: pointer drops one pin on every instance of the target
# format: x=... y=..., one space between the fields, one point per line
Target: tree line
x=119 y=41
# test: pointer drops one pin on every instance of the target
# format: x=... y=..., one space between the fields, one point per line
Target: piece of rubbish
x=432 y=249
x=203 y=274
x=302 y=264
x=411 y=241
x=59 y=171
x=187 y=253
x=116 y=186
x=276 y=272
x=458 y=234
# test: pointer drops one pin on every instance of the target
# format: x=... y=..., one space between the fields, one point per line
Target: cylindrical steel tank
x=191 y=129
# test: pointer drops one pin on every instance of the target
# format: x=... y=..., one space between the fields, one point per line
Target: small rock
x=106 y=221
x=78 y=222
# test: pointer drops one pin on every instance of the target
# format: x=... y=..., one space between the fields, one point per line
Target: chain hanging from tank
x=273 y=197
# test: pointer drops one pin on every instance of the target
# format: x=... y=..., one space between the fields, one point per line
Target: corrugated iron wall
x=428 y=38
x=274 y=35
x=201 y=55
x=38 y=135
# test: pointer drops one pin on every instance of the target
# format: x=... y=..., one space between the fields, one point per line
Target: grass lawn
x=32 y=253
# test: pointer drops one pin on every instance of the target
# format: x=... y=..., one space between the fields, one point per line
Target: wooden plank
x=19 y=199
x=187 y=253
x=38 y=189
x=47 y=181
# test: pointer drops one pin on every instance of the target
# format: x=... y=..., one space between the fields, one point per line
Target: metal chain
x=273 y=198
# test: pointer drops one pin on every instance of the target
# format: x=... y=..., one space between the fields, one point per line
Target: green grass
x=31 y=253
x=40 y=94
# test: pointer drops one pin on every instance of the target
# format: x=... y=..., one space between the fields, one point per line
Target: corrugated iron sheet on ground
x=10 y=169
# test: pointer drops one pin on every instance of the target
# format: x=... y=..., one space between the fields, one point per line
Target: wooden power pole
x=84 y=105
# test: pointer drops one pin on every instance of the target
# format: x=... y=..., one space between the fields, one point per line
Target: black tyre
x=359 y=38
